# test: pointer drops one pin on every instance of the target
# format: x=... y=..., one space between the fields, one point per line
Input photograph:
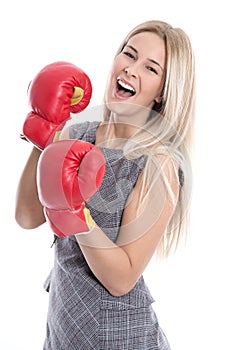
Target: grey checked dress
x=82 y=314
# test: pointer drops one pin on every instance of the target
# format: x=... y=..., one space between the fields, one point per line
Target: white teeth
x=124 y=85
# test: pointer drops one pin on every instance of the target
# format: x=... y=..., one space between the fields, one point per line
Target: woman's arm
x=118 y=266
x=28 y=210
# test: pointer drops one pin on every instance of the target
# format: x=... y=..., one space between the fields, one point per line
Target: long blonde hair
x=171 y=122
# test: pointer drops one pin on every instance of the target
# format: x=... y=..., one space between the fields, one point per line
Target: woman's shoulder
x=161 y=170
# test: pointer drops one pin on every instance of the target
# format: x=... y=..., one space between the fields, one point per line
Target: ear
x=158 y=103
x=158 y=99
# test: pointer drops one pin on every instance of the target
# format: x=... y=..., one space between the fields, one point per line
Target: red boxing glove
x=58 y=89
x=69 y=173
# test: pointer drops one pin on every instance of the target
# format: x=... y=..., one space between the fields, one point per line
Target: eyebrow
x=150 y=59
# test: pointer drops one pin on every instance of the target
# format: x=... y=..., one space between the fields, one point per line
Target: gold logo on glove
x=77 y=96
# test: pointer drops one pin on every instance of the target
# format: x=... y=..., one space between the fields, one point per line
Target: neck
x=115 y=133
x=122 y=126
x=121 y=129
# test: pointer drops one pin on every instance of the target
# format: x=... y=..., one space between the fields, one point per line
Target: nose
x=131 y=71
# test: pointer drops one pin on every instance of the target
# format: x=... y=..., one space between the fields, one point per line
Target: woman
x=98 y=297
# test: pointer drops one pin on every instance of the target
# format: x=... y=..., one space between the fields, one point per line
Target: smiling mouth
x=124 y=89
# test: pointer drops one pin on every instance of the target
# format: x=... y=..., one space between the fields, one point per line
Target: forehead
x=148 y=44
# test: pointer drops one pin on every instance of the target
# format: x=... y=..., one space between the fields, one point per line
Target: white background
x=193 y=290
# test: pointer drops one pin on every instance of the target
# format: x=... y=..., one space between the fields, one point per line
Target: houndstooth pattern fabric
x=82 y=314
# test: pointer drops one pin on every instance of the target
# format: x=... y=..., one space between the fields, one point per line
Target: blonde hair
x=169 y=128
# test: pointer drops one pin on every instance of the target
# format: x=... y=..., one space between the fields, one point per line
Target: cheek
x=108 y=87
x=119 y=64
x=152 y=89
x=112 y=76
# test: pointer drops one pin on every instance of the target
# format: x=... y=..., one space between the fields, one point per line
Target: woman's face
x=137 y=73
